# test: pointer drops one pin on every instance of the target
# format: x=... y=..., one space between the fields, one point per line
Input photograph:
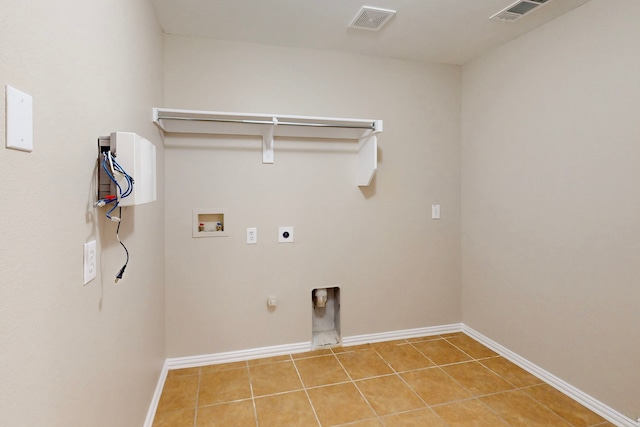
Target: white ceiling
x=442 y=31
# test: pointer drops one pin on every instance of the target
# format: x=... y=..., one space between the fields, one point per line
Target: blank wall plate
x=19 y=120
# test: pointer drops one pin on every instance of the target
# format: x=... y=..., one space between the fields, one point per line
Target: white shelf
x=269 y=126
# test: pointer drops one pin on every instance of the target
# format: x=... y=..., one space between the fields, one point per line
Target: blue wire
x=104 y=166
x=128 y=178
x=112 y=209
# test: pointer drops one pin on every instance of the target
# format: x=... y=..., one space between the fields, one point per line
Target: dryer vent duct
x=371 y=18
x=517 y=10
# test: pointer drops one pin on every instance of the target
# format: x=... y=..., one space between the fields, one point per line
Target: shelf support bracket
x=268 y=142
x=367 y=159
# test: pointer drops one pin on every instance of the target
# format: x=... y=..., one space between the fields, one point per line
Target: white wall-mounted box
x=137 y=156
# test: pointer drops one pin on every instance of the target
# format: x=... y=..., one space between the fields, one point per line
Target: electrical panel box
x=137 y=157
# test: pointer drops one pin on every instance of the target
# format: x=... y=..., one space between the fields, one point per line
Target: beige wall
x=397 y=269
x=74 y=355
x=550 y=212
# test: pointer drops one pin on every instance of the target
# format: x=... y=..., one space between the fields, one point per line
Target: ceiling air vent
x=517 y=10
x=371 y=18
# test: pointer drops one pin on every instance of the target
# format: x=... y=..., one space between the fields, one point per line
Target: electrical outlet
x=252 y=236
x=285 y=234
x=435 y=211
x=90 y=261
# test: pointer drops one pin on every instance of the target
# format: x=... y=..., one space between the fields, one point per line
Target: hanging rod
x=269 y=126
x=372 y=126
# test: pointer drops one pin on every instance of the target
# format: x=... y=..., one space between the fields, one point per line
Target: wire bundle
x=114 y=171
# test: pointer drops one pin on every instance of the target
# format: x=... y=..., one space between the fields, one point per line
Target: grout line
x=304 y=388
x=195 y=412
x=253 y=399
x=358 y=388
x=397 y=373
x=408 y=385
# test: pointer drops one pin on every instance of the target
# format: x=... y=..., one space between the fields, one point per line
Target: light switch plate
x=90 y=261
x=285 y=234
x=19 y=120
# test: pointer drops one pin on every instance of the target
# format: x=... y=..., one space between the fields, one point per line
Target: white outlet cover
x=285 y=231
x=19 y=120
x=252 y=236
x=90 y=261
x=435 y=211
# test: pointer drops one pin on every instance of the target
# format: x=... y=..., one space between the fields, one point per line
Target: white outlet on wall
x=252 y=236
x=90 y=261
x=435 y=211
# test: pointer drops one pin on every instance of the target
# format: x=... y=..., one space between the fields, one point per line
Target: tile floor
x=445 y=380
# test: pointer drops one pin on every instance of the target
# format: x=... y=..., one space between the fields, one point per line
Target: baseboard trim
x=279 y=350
x=595 y=405
x=151 y=413
x=581 y=397
x=402 y=334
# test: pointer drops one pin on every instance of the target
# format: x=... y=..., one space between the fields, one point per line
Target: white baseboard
x=279 y=350
x=234 y=356
x=151 y=413
x=581 y=397
x=403 y=334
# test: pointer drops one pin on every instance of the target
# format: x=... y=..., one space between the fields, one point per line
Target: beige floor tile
x=419 y=418
x=468 y=413
x=274 y=378
x=470 y=346
x=266 y=360
x=288 y=409
x=564 y=406
x=363 y=364
x=224 y=366
x=435 y=387
x=519 y=410
x=441 y=352
x=319 y=371
x=451 y=335
x=511 y=372
x=403 y=357
x=476 y=378
x=389 y=395
x=182 y=418
x=179 y=393
x=377 y=345
x=350 y=348
x=314 y=353
x=181 y=372
x=460 y=391
x=224 y=386
x=366 y=423
x=339 y=404
x=425 y=338
x=233 y=414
